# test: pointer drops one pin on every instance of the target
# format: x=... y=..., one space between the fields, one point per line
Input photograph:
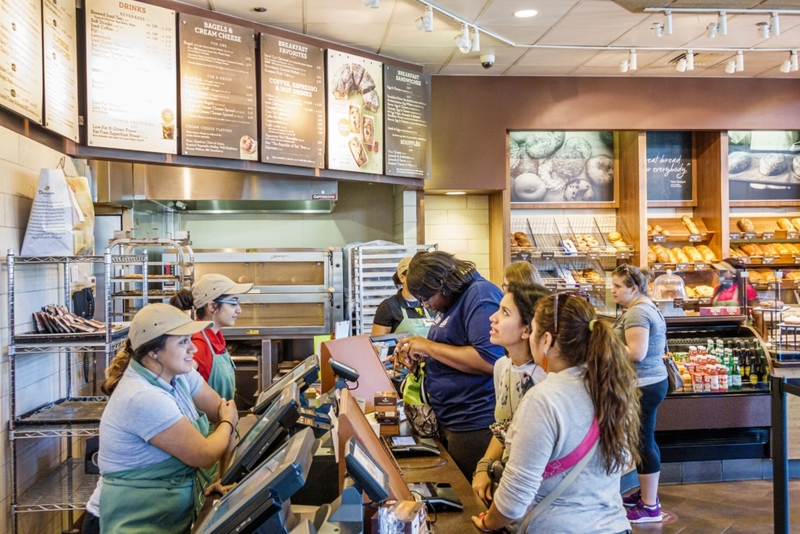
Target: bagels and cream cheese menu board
x=218 y=89
x=293 y=102
x=21 y=78
x=61 y=68
x=132 y=77
x=355 y=113
x=408 y=122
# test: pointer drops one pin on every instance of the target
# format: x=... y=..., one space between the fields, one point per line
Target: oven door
x=284 y=314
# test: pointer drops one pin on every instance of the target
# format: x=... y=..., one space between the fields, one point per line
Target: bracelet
x=483 y=466
x=482 y=517
x=233 y=428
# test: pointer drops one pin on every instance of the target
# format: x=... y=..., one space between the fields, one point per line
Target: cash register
x=304 y=374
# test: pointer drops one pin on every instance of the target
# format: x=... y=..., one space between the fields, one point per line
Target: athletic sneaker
x=632 y=500
x=641 y=513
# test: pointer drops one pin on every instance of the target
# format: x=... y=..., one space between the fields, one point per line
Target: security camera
x=487 y=60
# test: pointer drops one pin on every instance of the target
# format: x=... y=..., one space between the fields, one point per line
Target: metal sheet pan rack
x=67 y=487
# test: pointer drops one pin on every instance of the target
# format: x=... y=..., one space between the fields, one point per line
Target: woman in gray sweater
x=589 y=396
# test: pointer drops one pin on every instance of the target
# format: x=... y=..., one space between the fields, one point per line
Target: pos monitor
x=368 y=475
x=262 y=495
x=265 y=435
x=304 y=374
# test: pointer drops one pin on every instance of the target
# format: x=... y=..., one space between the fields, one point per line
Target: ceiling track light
x=425 y=22
x=786 y=66
x=632 y=62
x=793 y=58
x=624 y=66
x=680 y=66
x=657 y=29
x=668 y=22
x=374 y=4
x=689 y=60
x=476 y=40
x=730 y=66
x=763 y=30
x=739 y=61
x=462 y=40
x=775 y=25
x=722 y=23
x=711 y=30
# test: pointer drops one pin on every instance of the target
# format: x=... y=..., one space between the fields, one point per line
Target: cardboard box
x=412 y=514
x=720 y=310
x=386 y=408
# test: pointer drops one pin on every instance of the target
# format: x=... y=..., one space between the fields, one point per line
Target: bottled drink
x=751 y=358
x=737 y=377
x=724 y=377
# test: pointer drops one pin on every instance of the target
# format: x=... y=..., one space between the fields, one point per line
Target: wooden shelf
x=762 y=225
x=678 y=233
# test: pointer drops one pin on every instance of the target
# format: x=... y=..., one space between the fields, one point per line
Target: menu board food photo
x=764 y=165
x=21 y=78
x=61 y=68
x=293 y=102
x=355 y=114
x=408 y=123
x=131 y=81
x=218 y=89
x=562 y=169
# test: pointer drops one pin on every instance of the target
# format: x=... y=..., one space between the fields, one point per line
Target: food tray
x=65 y=411
x=117 y=331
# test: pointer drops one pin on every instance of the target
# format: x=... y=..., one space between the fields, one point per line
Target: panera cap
x=155 y=320
x=402 y=267
x=210 y=287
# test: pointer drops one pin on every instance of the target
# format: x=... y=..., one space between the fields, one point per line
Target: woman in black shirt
x=400 y=308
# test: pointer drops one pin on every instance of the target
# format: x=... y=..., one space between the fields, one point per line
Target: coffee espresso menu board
x=293 y=103
x=60 y=68
x=21 y=80
x=218 y=89
x=355 y=114
x=408 y=123
x=132 y=77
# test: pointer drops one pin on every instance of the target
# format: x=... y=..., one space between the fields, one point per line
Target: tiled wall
x=405 y=217
x=460 y=225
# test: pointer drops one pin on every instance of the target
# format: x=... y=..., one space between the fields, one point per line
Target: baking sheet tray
x=65 y=411
x=117 y=331
x=752 y=174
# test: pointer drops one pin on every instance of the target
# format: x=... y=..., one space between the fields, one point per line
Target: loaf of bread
x=693 y=253
x=785 y=224
x=680 y=255
x=751 y=250
x=651 y=256
x=657 y=229
x=754 y=277
x=707 y=253
x=793 y=249
x=783 y=250
x=745 y=225
x=522 y=239
x=689 y=224
x=704 y=290
x=773 y=164
x=673 y=257
x=796 y=222
x=769 y=249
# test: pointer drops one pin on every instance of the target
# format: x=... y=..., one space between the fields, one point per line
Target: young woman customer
x=458 y=354
x=514 y=374
x=589 y=398
x=643 y=330
x=402 y=312
x=154 y=431
x=522 y=272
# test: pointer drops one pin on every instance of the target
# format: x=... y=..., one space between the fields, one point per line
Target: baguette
x=693 y=253
x=689 y=224
x=796 y=222
x=793 y=249
x=783 y=250
x=785 y=224
x=708 y=254
x=663 y=256
x=673 y=257
x=680 y=255
x=751 y=250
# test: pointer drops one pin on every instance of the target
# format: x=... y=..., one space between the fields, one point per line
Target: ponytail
x=122 y=360
x=184 y=301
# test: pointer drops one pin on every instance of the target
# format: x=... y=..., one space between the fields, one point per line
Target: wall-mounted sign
x=131 y=76
x=408 y=122
x=764 y=165
x=218 y=89
x=669 y=168
x=60 y=68
x=355 y=113
x=292 y=102
x=21 y=80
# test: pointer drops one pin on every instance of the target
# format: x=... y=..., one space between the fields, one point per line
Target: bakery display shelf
x=73 y=346
x=771 y=261
x=663 y=267
x=678 y=233
x=67 y=487
x=133 y=294
x=72 y=430
x=150 y=280
x=118 y=330
x=762 y=225
x=56 y=260
x=65 y=411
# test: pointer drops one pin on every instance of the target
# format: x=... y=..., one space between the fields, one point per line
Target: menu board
x=408 y=123
x=293 y=103
x=218 y=89
x=669 y=166
x=21 y=79
x=131 y=86
x=355 y=114
x=60 y=68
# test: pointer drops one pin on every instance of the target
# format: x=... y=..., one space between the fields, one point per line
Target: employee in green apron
x=154 y=431
x=401 y=313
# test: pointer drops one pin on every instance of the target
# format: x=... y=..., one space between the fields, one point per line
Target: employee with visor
x=402 y=313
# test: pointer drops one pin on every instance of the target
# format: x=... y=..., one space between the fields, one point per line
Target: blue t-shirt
x=464 y=402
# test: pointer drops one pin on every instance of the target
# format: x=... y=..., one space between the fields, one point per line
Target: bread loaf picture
x=773 y=164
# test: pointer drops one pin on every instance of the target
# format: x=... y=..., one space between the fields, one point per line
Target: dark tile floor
x=729 y=507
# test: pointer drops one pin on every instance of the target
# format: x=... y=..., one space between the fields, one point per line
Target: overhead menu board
x=669 y=167
x=132 y=77
x=292 y=102
x=60 y=68
x=355 y=114
x=408 y=123
x=218 y=89
x=21 y=80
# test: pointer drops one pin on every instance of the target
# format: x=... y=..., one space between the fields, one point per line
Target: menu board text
x=408 y=123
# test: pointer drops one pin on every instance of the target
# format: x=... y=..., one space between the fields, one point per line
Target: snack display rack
x=674 y=234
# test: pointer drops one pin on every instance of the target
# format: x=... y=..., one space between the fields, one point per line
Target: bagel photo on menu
x=561 y=167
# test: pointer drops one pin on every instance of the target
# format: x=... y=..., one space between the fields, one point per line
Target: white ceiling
x=390 y=31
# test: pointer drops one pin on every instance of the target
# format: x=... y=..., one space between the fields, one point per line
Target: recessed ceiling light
x=456 y=193
x=259 y=9
x=525 y=13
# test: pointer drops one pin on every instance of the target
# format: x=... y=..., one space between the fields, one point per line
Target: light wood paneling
x=711 y=149
x=630 y=151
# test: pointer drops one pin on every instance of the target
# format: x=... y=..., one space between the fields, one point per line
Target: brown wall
x=472 y=114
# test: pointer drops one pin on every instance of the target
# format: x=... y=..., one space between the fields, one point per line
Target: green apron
x=162 y=498
x=222 y=379
x=415 y=327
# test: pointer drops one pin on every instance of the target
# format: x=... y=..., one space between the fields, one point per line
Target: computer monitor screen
x=304 y=374
x=265 y=435
x=369 y=477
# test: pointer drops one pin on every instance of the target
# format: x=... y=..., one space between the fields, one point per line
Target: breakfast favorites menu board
x=131 y=76
x=21 y=80
x=408 y=123
x=60 y=68
x=218 y=89
x=293 y=102
x=355 y=116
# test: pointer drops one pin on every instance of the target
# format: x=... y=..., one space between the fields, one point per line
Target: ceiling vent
x=701 y=59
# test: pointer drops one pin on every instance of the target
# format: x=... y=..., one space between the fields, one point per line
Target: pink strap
x=562 y=464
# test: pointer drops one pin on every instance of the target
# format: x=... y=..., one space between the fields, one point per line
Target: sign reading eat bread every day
x=61 y=68
x=21 y=78
x=355 y=113
x=669 y=166
x=131 y=84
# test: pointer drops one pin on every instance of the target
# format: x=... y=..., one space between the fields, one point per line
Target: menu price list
x=21 y=77
x=408 y=120
x=293 y=102
x=218 y=89
x=61 y=68
x=132 y=76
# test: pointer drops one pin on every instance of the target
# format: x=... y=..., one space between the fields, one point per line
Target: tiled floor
x=729 y=507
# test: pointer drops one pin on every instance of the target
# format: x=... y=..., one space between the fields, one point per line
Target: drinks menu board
x=131 y=86
x=355 y=114
x=408 y=123
x=218 y=89
x=21 y=80
x=60 y=68
x=293 y=103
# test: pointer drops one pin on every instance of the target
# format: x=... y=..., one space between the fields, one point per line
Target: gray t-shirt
x=651 y=370
x=553 y=418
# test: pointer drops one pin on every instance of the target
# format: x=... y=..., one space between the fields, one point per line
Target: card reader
x=411 y=446
x=438 y=496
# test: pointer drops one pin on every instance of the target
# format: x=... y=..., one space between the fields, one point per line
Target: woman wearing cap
x=153 y=433
x=213 y=297
x=401 y=313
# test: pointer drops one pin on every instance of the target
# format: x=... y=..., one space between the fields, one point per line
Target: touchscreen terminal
x=304 y=374
x=369 y=477
x=403 y=441
x=421 y=488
